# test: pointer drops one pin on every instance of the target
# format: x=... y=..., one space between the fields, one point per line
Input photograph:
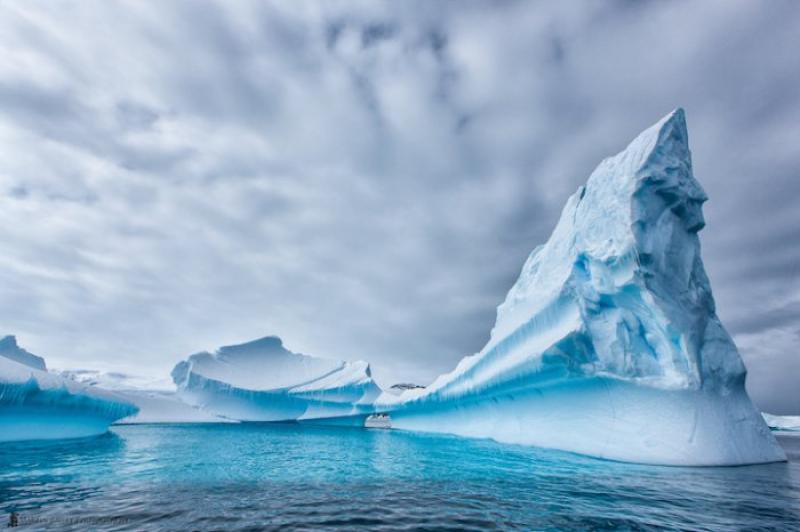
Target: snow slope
x=35 y=404
x=263 y=381
x=608 y=343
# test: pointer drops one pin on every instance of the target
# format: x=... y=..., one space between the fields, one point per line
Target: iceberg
x=37 y=405
x=782 y=423
x=10 y=350
x=263 y=381
x=608 y=344
x=156 y=399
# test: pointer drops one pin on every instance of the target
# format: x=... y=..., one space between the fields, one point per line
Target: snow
x=35 y=404
x=608 y=344
x=782 y=423
x=118 y=381
x=263 y=381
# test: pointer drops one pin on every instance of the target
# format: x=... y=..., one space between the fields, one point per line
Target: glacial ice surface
x=608 y=344
x=263 y=381
x=35 y=404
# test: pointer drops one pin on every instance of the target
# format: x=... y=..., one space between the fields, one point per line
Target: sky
x=365 y=180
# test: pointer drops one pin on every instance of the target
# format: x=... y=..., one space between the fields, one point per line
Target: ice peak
x=625 y=256
x=673 y=121
x=8 y=342
x=667 y=136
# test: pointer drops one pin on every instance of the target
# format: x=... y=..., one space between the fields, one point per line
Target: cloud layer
x=366 y=179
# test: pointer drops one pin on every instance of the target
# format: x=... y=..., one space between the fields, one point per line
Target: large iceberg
x=608 y=344
x=263 y=381
x=37 y=405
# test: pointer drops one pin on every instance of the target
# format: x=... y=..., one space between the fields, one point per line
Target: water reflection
x=35 y=473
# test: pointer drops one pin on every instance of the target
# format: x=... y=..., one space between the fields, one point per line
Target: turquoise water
x=256 y=477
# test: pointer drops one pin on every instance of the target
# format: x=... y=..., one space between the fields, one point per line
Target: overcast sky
x=365 y=180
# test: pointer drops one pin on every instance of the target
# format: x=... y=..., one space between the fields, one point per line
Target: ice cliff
x=263 y=381
x=36 y=405
x=608 y=344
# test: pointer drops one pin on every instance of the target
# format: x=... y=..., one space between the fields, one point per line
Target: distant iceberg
x=782 y=423
x=156 y=399
x=10 y=350
x=37 y=405
x=609 y=344
x=263 y=381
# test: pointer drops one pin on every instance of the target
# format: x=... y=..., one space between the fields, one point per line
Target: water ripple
x=294 y=477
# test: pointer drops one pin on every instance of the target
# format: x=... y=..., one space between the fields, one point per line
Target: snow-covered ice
x=608 y=344
x=782 y=423
x=35 y=404
x=263 y=381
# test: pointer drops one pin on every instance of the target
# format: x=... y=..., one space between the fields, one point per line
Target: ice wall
x=35 y=404
x=608 y=344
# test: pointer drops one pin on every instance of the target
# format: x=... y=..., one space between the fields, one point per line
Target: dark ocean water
x=263 y=477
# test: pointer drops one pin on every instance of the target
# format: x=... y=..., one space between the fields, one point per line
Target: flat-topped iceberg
x=609 y=344
x=263 y=381
x=37 y=405
x=782 y=423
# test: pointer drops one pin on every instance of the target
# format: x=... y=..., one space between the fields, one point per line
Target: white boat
x=378 y=421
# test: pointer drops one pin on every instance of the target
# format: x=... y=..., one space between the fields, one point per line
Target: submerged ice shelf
x=37 y=405
x=608 y=344
x=263 y=381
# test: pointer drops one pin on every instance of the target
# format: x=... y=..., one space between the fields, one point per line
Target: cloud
x=365 y=179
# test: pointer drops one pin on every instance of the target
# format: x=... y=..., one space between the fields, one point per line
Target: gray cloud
x=366 y=179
